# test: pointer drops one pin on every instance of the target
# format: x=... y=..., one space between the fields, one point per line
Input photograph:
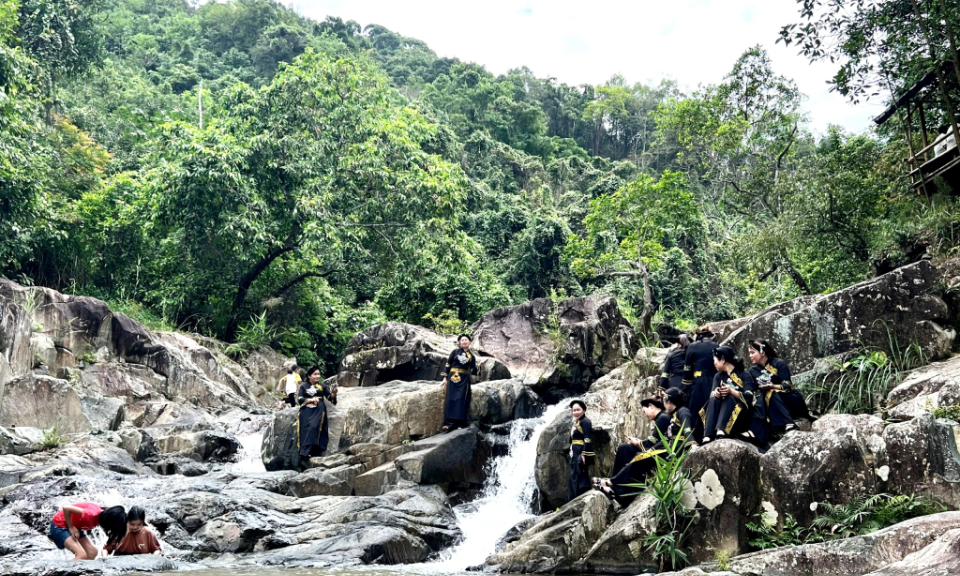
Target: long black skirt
x=769 y=416
x=727 y=415
x=456 y=408
x=579 y=481
x=700 y=392
x=312 y=433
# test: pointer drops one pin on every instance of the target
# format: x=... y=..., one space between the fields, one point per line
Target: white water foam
x=248 y=458
x=506 y=500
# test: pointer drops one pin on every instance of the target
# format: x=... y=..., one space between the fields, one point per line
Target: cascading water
x=248 y=458
x=506 y=500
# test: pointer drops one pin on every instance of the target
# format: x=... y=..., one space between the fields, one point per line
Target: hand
x=75 y=533
x=443 y=382
x=583 y=458
x=634 y=441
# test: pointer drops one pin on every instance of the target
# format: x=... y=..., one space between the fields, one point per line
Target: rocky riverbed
x=162 y=419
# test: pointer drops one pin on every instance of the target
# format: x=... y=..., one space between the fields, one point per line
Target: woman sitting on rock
x=729 y=410
x=461 y=367
x=681 y=419
x=70 y=526
x=773 y=379
x=634 y=460
x=674 y=365
x=312 y=434
x=581 y=450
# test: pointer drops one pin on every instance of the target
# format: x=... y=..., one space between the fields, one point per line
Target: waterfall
x=248 y=458
x=507 y=496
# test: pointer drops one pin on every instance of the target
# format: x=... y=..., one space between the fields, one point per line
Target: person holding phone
x=458 y=374
x=729 y=409
x=778 y=402
x=312 y=433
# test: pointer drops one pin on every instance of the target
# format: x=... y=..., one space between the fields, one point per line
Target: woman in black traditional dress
x=635 y=459
x=681 y=419
x=778 y=402
x=675 y=364
x=581 y=451
x=461 y=367
x=312 y=435
x=698 y=374
x=729 y=411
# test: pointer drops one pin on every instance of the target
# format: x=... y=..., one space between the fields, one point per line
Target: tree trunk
x=646 y=316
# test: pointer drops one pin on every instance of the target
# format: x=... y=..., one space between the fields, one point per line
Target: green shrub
x=668 y=482
x=52 y=438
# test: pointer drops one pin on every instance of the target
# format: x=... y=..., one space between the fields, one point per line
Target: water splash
x=248 y=458
x=507 y=497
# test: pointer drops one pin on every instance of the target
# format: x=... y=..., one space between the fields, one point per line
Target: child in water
x=139 y=538
x=69 y=527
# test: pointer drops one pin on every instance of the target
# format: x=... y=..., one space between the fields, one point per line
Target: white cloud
x=693 y=41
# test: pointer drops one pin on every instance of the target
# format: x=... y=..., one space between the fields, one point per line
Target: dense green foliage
x=236 y=169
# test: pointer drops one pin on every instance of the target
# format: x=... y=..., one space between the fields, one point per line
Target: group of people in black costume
x=706 y=394
x=312 y=422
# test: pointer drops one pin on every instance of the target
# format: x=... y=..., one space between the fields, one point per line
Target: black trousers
x=724 y=414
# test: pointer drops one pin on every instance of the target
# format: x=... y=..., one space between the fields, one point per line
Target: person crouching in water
x=138 y=540
x=729 y=410
x=312 y=434
x=70 y=525
x=634 y=459
x=581 y=450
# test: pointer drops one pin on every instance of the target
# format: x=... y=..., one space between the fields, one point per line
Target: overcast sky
x=691 y=41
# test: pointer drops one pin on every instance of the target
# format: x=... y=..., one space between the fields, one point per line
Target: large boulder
x=457 y=456
x=901 y=306
x=620 y=549
x=613 y=406
x=21 y=440
x=835 y=465
x=925 y=388
x=43 y=402
x=557 y=542
x=397 y=351
x=726 y=481
x=279 y=450
x=849 y=556
x=924 y=459
x=566 y=345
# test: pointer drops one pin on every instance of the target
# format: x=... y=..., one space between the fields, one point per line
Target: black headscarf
x=728 y=355
x=764 y=347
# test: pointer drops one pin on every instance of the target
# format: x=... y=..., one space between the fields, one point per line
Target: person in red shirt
x=138 y=540
x=70 y=525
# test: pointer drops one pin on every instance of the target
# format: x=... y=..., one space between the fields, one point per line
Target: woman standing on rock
x=461 y=366
x=728 y=412
x=675 y=364
x=312 y=435
x=778 y=402
x=581 y=450
x=698 y=374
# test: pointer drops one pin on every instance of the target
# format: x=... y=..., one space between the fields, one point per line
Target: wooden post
x=940 y=79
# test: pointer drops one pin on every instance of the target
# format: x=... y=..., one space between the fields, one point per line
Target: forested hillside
x=331 y=177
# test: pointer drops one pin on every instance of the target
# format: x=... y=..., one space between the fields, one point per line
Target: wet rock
x=941 y=558
x=924 y=459
x=236 y=531
x=21 y=440
x=834 y=465
x=457 y=456
x=553 y=457
x=397 y=351
x=926 y=388
x=558 y=540
x=380 y=480
x=515 y=533
x=851 y=556
x=620 y=549
x=280 y=450
x=208 y=445
x=318 y=482
x=903 y=302
x=111 y=566
x=726 y=480
x=596 y=339
x=178 y=465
